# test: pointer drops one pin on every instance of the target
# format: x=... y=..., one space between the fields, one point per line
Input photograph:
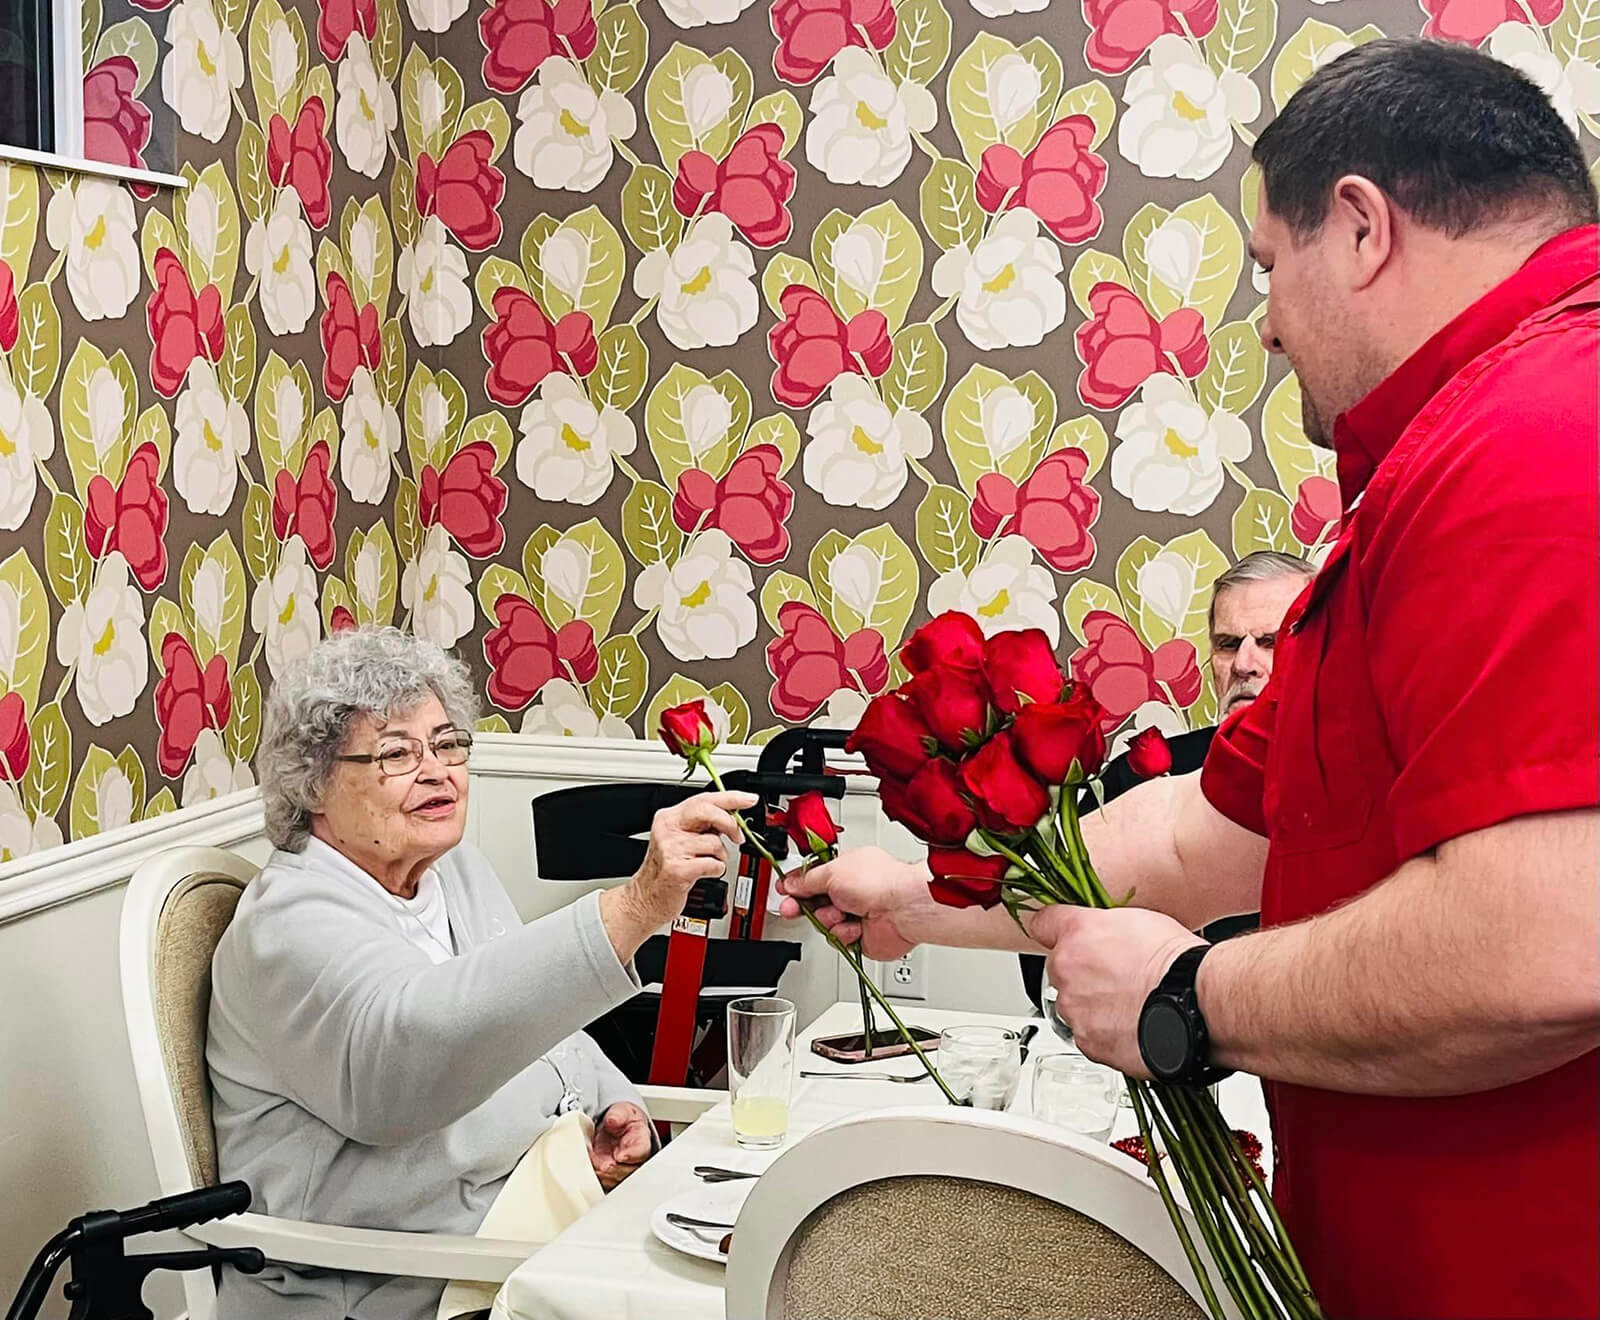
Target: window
x=34 y=61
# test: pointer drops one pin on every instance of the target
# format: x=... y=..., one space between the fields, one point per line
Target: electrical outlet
x=907 y=977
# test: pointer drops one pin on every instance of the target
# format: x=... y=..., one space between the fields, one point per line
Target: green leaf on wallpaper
x=1575 y=35
x=991 y=92
x=688 y=423
x=392 y=370
x=781 y=271
x=620 y=683
x=761 y=737
x=19 y=218
x=917 y=371
x=818 y=562
x=1312 y=46
x=1221 y=257
x=737 y=393
x=1235 y=372
x=1042 y=400
x=386 y=40
x=158 y=233
x=44 y=787
x=533 y=551
x=1293 y=457
x=1094 y=101
x=1047 y=69
x=1092 y=268
x=1085 y=597
x=498 y=581
x=422 y=104
x=132 y=768
x=1174 y=588
x=418 y=388
x=89 y=23
x=622 y=49
x=237 y=370
x=403 y=203
x=162 y=803
x=84 y=811
x=948 y=204
x=490 y=429
x=259 y=553
x=89 y=413
x=1191 y=257
x=781 y=433
x=1242 y=36
x=732 y=66
x=407 y=525
x=647 y=527
x=436 y=411
x=36 y=356
x=493 y=724
x=374 y=575
x=994 y=424
x=533 y=237
x=1130 y=563
x=648 y=215
x=1250 y=193
x=874 y=582
x=921 y=42
x=877 y=263
x=687 y=99
x=1135 y=241
x=277 y=56
x=778 y=590
x=945 y=538
x=244 y=722
x=1086 y=433
x=283 y=413
x=216 y=599
x=732 y=700
x=132 y=39
x=368 y=243
x=1263 y=521
x=584 y=576
x=582 y=264
x=250 y=163
x=490 y=117
x=232 y=13
x=330 y=261
x=782 y=109
x=165 y=619
x=66 y=552
x=23 y=599
x=622 y=369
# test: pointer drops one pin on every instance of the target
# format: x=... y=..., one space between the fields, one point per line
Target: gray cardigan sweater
x=357 y=1083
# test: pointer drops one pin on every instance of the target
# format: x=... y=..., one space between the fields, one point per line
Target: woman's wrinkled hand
x=622 y=1142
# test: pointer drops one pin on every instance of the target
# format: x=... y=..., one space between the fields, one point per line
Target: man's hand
x=867 y=895
x=622 y=1142
x=1104 y=966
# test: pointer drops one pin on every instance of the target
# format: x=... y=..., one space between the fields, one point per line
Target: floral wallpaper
x=640 y=349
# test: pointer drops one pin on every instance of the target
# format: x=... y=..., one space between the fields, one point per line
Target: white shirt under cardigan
x=358 y=1082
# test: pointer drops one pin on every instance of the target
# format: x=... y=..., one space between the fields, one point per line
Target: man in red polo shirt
x=1413 y=798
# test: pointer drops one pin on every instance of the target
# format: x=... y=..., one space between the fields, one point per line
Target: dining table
x=609 y=1266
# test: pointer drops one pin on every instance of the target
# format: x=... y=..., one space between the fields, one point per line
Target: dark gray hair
x=1257 y=566
x=361 y=671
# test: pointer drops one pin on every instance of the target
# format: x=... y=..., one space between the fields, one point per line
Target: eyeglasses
x=401 y=756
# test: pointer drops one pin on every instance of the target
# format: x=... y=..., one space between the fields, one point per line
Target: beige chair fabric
x=192 y=920
x=939 y=1248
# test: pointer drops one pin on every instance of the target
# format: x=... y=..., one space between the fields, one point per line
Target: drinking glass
x=1077 y=1093
x=760 y=1069
x=981 y=1064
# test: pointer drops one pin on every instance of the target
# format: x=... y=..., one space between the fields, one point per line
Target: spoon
x=712 y=1174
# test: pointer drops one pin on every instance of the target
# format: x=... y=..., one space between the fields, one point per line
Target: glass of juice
x=760 y=1069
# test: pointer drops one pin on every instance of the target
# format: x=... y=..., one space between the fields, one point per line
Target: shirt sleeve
x=1235 y=766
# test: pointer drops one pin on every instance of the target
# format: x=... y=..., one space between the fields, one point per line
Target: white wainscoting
x=71 y=1135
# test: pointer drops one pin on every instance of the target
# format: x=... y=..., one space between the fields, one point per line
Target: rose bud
x=892 y=736
x=1050 y=736
x=687 y=730
x=953 y=639
x=953 y=703
x=1149 y=755
x=1009 y=798
x=1021 y=667
x=963 y=880
x=931 y=805
x=810 y=826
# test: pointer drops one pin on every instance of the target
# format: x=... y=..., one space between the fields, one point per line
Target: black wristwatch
x=1173 y=1041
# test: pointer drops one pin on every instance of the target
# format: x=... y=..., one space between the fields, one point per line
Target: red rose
x=520 y=35
x=1008 y=797
x=953 y=703
x=1471 y=21
x=808 y=823
x=9 y=319
x=306 y=508
x=812 y=32
x=1123 y=673
x=750 y=503
x=467 y=498
x=350 y=339
x=892 y=737
x=188 y=701
x=522 y=347
x=1318 y=510
x=931 y=805
x=525 y=653
x=809 y=663
x=1020 y=667
x=687 y=729
x=131 y=517
x=464 y=190
x=1058 y=180
x=341 y=620
x=15 y=749
x=1050 y=736
x=1148 y=754
x=1122 y=346
x=1053 y=509
x=301 y=157
x=116 y=125
x=751 y=186
x=1120 y=31
x=962 y=879
x=812 y=346
x=339 y=18
x=952 y=640
x=182 y=326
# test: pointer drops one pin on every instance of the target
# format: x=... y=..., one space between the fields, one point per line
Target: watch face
x=1164 y=1039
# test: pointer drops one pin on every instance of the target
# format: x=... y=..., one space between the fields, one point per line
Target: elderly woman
x=386 y=1037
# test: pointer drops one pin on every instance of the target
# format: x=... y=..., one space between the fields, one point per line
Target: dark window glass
x=25 y=75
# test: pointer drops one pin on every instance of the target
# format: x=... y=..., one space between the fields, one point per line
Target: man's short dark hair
x=1455 y=137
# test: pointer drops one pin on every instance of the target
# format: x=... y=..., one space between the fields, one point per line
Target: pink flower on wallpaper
x=812 y=346
x=520 y=35
x=131 y=517
x=464 y=189
x=116 y=125
x=1120 y=31
x=9 y=319
x=1123 y=673
x=302 y=157
x=1053 y=509
x=1058 y=180
x=152 y=6
x=340 y=620
x=187 y=701
x=752 y=185
x=524 y=652
x=15 y=749
x=811 y=32
x=1318 y=510
x=809 y=663
x=751 y=503
x=467 y=498
x=307 y=507
x=339 y=18
x=522 y=347
x=350 y=339
x=182 y=325
x=1122 y=346
x=1471 y=21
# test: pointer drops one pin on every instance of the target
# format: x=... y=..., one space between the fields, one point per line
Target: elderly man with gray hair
x=387 y=1039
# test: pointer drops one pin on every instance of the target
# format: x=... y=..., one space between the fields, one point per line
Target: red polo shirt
x=1439 y=676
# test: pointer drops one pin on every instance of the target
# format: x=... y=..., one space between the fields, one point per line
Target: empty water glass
x=980 y=1064
x=1077 y=1093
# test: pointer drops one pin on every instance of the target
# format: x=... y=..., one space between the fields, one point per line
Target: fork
x=871 y=1076
x=712 y=1174
x=697 y=1225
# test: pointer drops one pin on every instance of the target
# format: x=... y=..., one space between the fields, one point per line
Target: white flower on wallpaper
x=284 y=607
x=1005 y=421
x=365 y=112
x=1166 y=584
x=113 y=799
x=1173 y=252
x=103 y=635
x=565 y=137
x=862 y=121
x=706 y=611
x=707 y=99
x=1180 y=115
x=278 y=252
x=1010 y=289
x=1012 y=90
x=369 y=439
x=18 y=835
x=437 y=588
x=561 y=711
x=706 y=286
x=433 y=274
x=1571 y=87
x=435 y=15
x=1006 y=590
x=1001 y=8
x=858 y=448
x=567 y=444
x=92 y=221
x=698 y=13
x=843 y=711
x=213 y=434
x=203 y=69
x=1170 y=459
x=27 y=433
x=214 y=773
x=108 y=412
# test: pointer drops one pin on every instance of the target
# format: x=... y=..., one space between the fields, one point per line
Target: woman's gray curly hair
x=360 y=671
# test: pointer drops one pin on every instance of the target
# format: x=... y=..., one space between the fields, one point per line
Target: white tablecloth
x=608 y=1266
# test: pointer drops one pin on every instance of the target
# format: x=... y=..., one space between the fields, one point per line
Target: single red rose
x=464 y=189
x=1471 y=21
x=1120 y=31
x=812 y=346
x=1148 y=754
x=1008 y=797
x=1020 y=667
x=953 y=640
x=1053 y=510
x=187 y=701
x=892 y=737
x=931 y=805
x=350 y=338
x=1318 y=511
x=338 y=19
x=341 y=620
x=809 y=662
x=116 y=124
x=953 y=703
x=752 y=185
x=1122 y=345
x=182 y=325
x=963 y=879
x=525 y=653
x=1058 y=180
x=131 y=517
x=10 y=320
x=302 y=158
x=811 y=32
x=467 y=498
x=306 y=507
x=810 y=826
x=751 y=503
x=522 y=347
x=1123 y=673
x=1050 y=736
x=520 y=35
x=687 y=729
x=15 y=749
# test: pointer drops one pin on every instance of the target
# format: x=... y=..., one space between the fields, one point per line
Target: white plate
x=718 y=1202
